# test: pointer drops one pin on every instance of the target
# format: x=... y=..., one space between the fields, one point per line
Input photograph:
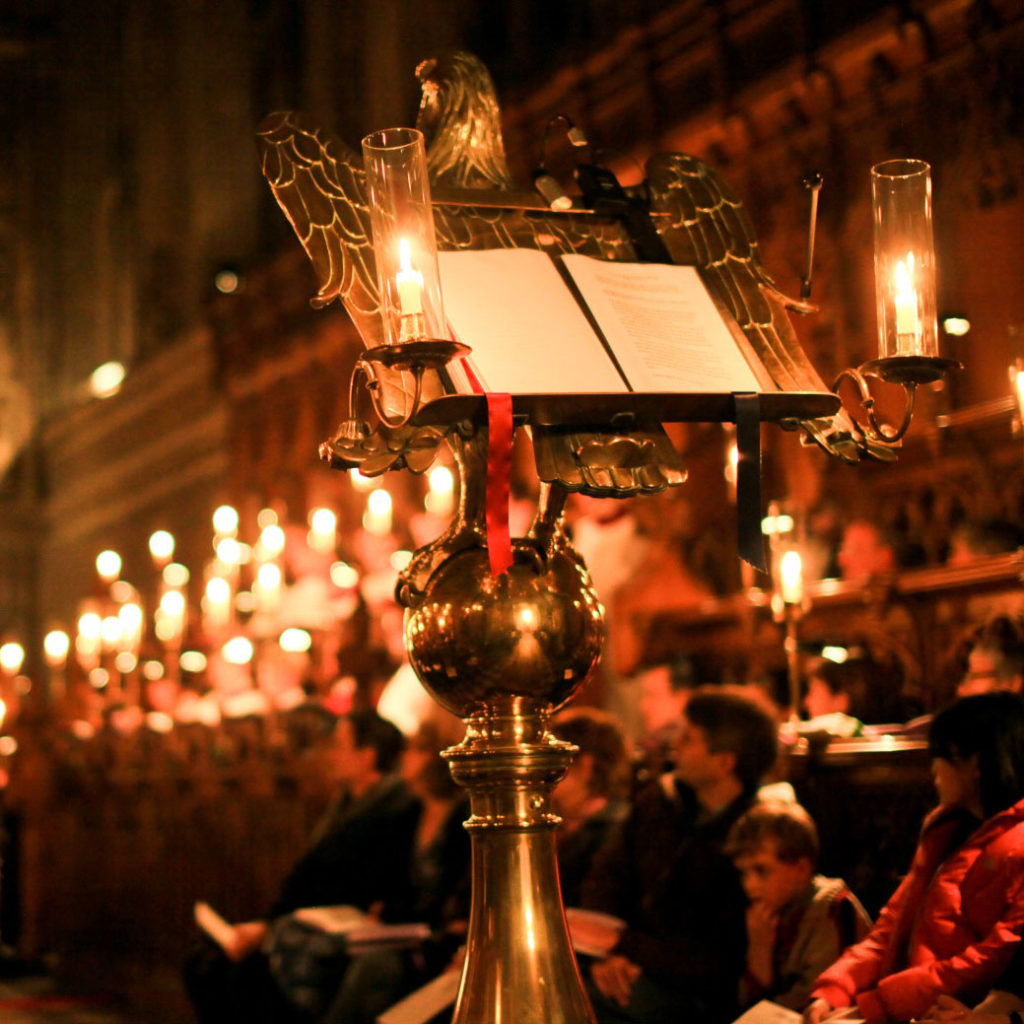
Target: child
x=797 y=922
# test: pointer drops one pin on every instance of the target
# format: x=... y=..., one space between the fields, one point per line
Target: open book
x=573 y=324
x=361 y=932
x=213 y=924
x=581 y=925
x=426 y=1002
x=767 y=1012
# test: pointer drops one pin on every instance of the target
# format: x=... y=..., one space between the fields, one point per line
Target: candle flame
x=404 y=255
x=904 y=277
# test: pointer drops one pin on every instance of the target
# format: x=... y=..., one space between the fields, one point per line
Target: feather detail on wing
x=708 y=227
x=321 y=186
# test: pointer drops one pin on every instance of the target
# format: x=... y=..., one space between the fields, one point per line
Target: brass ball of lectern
x=533 y=632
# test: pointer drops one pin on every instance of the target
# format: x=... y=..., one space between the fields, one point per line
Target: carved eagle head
x=461 y=121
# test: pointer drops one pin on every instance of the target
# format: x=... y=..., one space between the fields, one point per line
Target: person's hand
x=246 y=939
x=946 y=1009
x=951 y=1011
x=761 y=924
x=816 y=1011
x=614 y=978
x=594 y=936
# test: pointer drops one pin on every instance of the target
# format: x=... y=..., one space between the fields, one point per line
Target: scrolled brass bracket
x=906 y=371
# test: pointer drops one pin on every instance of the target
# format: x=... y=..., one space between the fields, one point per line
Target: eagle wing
x=321 y=186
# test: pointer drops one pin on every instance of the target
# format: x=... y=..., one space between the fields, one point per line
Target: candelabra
x=901 y=194
x=502 y=632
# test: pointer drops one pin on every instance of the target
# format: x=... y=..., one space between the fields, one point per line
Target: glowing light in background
x=269 y=576
x=106 y=380
x=440 y=498
x=360 y=482
x=12 y=654
x=173 y=603
x=323 y=525
x=176 y=575
x=225 y=521
x=193 y=661
x=791 y=581
x=956 y=326
x=272 y=540
x=344 y=576
x=110 y=631
x=161 y=547
x=238 y=651
x=218 y=590
x=777 y=524
x=108 y=565
x=125 y=662
x=229 y=551
x=56 y=645
x=295 y=640
x=835 y=653
x=377 y=517
x=400 y=559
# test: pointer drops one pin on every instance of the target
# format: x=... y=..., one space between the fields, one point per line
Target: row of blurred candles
x=244 y=583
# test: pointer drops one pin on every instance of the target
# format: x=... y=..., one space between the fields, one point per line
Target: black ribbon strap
x=748 y=480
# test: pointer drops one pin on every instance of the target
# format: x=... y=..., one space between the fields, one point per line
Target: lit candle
x=323 y=525
x=791 y=578
x=440 y=498
x=906 y=298
x=410 y=282
x=170 y=617
x=377 y=517
x=267 y=587
x=217 y=601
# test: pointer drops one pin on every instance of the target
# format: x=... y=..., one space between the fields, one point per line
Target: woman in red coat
x=951 y=926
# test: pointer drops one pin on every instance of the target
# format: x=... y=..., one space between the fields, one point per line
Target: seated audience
x=869 y=551
x=664 y=872
x=981 y=538
x=845 y=696
x=995 y=660
x=439 y=891
x=589 y=798
x=664 y=690
x=798 y=922
x=950 y=927
x=359 y=855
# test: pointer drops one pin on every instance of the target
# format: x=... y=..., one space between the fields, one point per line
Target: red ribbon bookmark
x=499 y=469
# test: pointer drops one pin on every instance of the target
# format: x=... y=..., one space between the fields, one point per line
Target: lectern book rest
x=572 y=324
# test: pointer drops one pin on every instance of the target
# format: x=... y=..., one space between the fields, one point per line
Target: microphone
x=548 y=186
x=546 y=183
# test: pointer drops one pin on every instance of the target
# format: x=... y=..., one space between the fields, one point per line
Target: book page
x=213 y=924
x=526 y=329
x=767 y=1012
x=662 y=325
x=425 y=1003
x=582 y=923
x=335 y=920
